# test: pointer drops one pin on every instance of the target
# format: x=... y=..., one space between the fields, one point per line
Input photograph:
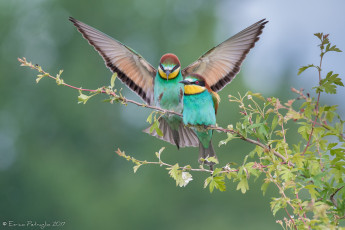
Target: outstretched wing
x=132 y=69
x=221 y=64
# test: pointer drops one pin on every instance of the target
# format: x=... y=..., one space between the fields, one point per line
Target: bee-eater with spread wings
x=162 y=88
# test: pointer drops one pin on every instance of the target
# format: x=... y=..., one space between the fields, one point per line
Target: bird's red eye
x=197 y=82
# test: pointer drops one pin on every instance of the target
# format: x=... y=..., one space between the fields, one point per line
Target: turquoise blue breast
x=167 y=93
x=199 y=109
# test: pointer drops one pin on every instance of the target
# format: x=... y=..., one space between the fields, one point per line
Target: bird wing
x=220 y=64
x=132 y=68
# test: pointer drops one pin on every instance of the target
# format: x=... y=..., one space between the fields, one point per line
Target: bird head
x=169 y=66
x=194 y=84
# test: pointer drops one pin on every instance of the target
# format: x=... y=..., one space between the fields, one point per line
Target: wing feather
x=132 y=69
x=220 y=64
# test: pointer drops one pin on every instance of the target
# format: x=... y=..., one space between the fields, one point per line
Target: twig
x=300 y=92
x=283 y=130
x=184 y=168
x=300 y=207
x=102 y=90
x=265 y=147
x=281 y=191
x=317 y=103
x=332 y=196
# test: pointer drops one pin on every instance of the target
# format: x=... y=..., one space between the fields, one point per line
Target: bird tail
x=206 y=153
x=182 y=136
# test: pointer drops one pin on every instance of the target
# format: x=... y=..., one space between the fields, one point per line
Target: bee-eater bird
x=219 y=66
x=160 y=88
x=200 y=109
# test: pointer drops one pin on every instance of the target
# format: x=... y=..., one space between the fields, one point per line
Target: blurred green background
x=57 y=159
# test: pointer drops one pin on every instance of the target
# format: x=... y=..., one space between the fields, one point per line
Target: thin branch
x=300 y=207
x=281 y=191
x=332 y=196
x=317 y=104
x=265 y=147
x=184 y=168
x=102 y=90
x=300 y=92
x=283 y=130
x=293 y=222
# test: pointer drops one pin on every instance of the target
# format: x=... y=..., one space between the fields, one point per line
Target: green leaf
x=230 y=136
x=181 y=178
x=135 y=168
x=313 y=193
x=319 y=35
x=212 y=160
x=243 y=184
x=274 y=122
x=158 y=154
x=112 y=80
x=215 y=182
x=277 y=204
x=149 y=118
x=217 y=171
x=82 y=98
x=59 y=81
x=39 y=77
x=158 y=131
x=303 y=68
x=264 y=187
x=257 y=95
x=155 y=126
x=333 y=48
x=175 y=173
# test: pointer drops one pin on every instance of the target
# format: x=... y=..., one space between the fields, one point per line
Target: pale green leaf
x=112 y=80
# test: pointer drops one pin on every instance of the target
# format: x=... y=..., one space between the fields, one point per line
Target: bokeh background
x=57 y=159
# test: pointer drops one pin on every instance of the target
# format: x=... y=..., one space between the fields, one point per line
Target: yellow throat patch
x=172 y=75
x=193 y=89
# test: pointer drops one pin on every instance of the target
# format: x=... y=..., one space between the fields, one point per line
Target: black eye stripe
x=175 y=67
x=160 y=65
x=201 y=83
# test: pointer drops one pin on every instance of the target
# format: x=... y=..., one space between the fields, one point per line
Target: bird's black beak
x=185 y=82
x=167 y=72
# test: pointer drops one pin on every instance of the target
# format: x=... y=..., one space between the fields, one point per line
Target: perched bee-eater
x=200 y=109
x=162 y=88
